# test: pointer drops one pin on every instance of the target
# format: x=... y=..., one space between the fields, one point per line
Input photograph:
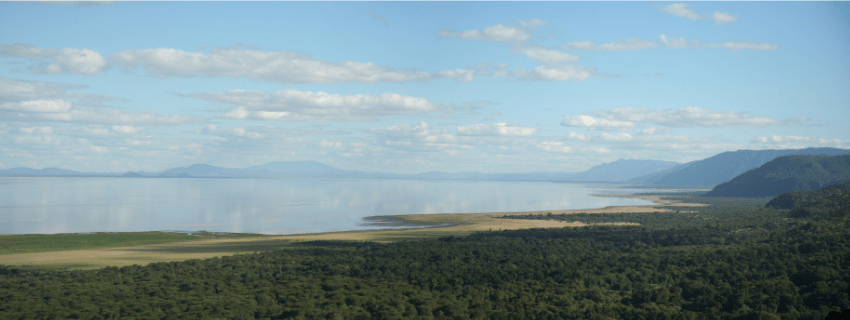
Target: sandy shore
x=448 y=224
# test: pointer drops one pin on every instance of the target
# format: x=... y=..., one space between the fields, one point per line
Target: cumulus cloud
x=293 y=105
x=58 y=110
x=683 y=10
x=554 y=73
x=619 y=45
x=578 y=136
x=548 y=56
x=46 y=140
x=777 y=141
x=280 y=66
x=459 y=74
x=37 y=130
x=65 y=60
x=54 y=105
x=497 y=33
x=687 y=117
x=554 y=146
x=16 y=91
x=498 y=129
x=421 y=137
x=98 y=130
x=732 y=45
x=595 y=123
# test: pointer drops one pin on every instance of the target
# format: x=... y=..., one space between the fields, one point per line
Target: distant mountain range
x=708 y=172
x=787 y=174
x=608 y=172
x=723 y=167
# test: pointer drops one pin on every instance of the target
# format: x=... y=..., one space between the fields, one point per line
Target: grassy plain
x=89 y=251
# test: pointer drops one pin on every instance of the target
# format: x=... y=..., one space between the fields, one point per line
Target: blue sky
x=417 y=86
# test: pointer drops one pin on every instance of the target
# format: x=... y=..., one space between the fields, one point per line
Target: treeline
x=703 y=270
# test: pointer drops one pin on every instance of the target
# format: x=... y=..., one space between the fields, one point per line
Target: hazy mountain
x=46 y=172
x=299 y=168
x=203 y=170
x=786 y=174
x=623 y=169
x=722 y=167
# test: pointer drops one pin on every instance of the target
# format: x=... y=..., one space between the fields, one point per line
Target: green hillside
x=787 y=174
x=807 y=202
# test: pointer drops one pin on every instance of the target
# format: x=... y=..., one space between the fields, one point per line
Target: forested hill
x=813 y=202
x=787 y=174
x=723 y=167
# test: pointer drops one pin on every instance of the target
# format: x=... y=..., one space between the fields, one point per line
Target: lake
x=267 y=206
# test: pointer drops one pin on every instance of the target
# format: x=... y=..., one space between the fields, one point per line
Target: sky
x=411 y=87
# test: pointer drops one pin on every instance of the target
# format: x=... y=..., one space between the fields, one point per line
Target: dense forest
x=787 y=174
x=734 y=259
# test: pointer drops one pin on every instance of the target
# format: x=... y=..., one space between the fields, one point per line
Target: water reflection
x=270 y=206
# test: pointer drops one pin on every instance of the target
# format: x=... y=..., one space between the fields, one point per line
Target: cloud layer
x=293 y=105
x=279 y=66
x=65 y=60
x=683 y=10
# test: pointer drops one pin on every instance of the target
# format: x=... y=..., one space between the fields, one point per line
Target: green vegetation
x=57 y=242
x=732 y=260
x=814 y=202
x=787 y=174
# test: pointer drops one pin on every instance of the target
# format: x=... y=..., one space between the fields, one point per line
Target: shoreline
x=422 y=226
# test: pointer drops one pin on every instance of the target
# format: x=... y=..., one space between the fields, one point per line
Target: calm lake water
x=268 y=206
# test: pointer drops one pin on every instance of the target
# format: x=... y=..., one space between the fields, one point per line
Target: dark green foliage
x=787 y=174
x=748 y=268
x=807 y=203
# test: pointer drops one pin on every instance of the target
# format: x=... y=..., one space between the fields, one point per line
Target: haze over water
x=268 y=206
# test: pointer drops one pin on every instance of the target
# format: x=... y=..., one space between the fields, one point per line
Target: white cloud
x=55 y=105
x=687 y=117
x=14 y=90
x=37 y=130
x=682 y=10
x=67 y=60
x=38 y=140
x=330 y=144
x=279 y=66
x=293 y=105
x=497 y=33
x=616 y=137
x=732 y=45
x=554 y=73
x=244 y=133
x=421 y=137
x=554 y=146
x=650 y=131
x=548 y=56
x=85 y=115
x=126 y=129
x=578 y=136
x=796 y=142
x=594 y=123
x=138 y=143
x=619 y=45
x=723 y=17
x=498 y=129
x=98 y=149
x=460 y=74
